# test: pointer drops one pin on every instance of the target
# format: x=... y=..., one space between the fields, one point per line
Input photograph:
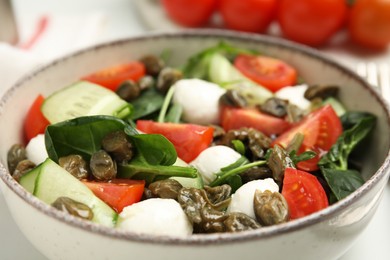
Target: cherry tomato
x=369 y=23
x=113 y=76
x=189 y=139
x=35 y=123
x=248 y=15
x=271 y=73
x=190 y=13
x=235 y=118
x=118 y=193
x=311 y=22
x=303 y=192
x=321 y=129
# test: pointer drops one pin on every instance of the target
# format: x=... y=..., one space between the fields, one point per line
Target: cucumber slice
x=28 y=180
x=84 y=99
x=222 y=72
x=188 y=182
x=336 y=105
x=53 y=182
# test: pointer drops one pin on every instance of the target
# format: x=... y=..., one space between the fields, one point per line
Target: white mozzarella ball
x=36 y=149
x=242 y=199
x=211 y=160
x=199 y=100
x=156 y=217
x=295 y=95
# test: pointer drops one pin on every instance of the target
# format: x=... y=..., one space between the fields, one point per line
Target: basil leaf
x=342 y=182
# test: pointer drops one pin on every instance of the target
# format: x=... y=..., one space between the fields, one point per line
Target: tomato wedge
x=189 y=139
x=235 y=118
x=271 y=73
x=35 y=123
x=118 y=193
x=321 y=129
x=303 y=192
x=112 y=77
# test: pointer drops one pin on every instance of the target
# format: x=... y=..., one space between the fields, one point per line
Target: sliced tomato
x=303 y=192
x=189 y=139
x=321 y=129
x=235 y=118
x=113 y=76
x=35 y=123
x=271 y=73
x=118 y=193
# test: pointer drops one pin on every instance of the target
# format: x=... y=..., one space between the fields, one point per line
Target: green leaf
x=148 y=102
x=174 y=113
x=351 y=118
x=342 y=182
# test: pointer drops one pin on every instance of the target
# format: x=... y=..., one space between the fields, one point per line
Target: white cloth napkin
x=62 y=35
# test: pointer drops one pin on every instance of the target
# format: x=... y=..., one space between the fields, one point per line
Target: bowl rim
x=200 y=239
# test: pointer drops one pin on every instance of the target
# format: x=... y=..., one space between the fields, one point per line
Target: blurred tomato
x=191 y=13
x=369 y=23
x=311 y=22
x=248 y=15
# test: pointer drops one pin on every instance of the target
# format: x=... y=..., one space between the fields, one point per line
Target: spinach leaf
x=240 y=166
x=351 y=118
x=147 y=103
x=342 y=182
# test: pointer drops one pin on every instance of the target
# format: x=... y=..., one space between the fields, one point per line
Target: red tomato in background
x=303 y=192
x=118 y=193
x=248 y=15
x=271 y=73
x=236 y=118
x=189 y=139
x=321 y=130
x=311 y=22
x=113 y=76
x=369 y=23
x=191 y=13
x=35 y=123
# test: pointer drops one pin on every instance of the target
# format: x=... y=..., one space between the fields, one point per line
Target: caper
x=75 y=165
x=146 y=82
x=153 y=64
x=218 y=194
x=270 y=208
x=16 y=153
x=294 y=113
x=237 y=221
x=275 y=106
x=22 y=168
x=321 y=91
x=166 y=78
x=278 y=161
x=73 y=207
x=256 y=173
x=166 y=189
x=233 y=98
x=128 y=90
x=118 y=145
x=102 y=166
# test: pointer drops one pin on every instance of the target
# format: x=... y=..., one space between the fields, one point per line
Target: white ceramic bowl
x=323 y=235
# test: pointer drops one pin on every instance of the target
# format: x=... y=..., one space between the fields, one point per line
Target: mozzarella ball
x=199 y=100
x=242 y=199
x=294 y=95
x=36 y=149
x=155 y=217
x=211 y=160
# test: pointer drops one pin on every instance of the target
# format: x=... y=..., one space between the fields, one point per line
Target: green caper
x=294 y=113
x=321 y=91
x=237 y=221
x=278 y=161
x=256 y=173
x=146 y=82
x=117 y=144
x=22 y=168
x=275 y=106
x=270 y=208
x=75 y=165
x=166 y=189
x=16 y=153
x=166 y=78
x=128 y=90
x=73 y=207
x=219 y=193
x=102 y=166
x=233 y=98
x=153 y=64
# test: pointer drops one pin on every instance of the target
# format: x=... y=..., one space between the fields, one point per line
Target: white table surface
x=123 y=20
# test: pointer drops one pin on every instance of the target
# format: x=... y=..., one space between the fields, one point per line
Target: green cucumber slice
x=222 y=72
x=53 y=182
x=28 y=180
x=84 y=99
x=336 y=105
